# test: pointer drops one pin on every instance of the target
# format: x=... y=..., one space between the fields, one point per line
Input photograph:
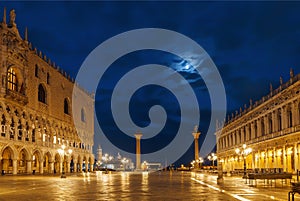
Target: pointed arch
x=12 y=151
x=67 y=106
x=8 y=154
x=42 y=94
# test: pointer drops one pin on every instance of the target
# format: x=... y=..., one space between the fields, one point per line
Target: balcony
x=16 y=96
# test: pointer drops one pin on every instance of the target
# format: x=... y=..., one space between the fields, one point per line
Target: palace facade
x=37 y=130
x=270 y=127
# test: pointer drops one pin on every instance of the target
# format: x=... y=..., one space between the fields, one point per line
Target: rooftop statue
x=12 y=17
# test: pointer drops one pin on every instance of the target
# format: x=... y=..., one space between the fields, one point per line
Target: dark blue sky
x=251 y=43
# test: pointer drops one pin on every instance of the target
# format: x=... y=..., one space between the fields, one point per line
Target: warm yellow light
x=270 y=154
x=279 y=153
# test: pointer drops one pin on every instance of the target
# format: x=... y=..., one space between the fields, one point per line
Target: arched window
x=279 y=120
x=66 y=106
x=289 y=118
x=270 y=124
x=255 y=129
x=83 y=119
x=12 y=81
x=249 y=132
x=42 y=94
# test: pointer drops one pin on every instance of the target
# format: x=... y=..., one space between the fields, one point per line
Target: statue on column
x=291 y=73
x=12 y=17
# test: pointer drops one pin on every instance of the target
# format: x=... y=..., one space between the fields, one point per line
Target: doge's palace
x=37 y=132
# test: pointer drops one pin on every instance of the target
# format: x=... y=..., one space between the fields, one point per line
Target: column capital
x=196 y=135
x=138 y=136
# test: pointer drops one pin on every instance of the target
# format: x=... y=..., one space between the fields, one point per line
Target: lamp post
x=220 y=171
x=244 y=152
x=212 y=158
x=62 y=153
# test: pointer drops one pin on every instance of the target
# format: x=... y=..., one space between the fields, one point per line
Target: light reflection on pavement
x=134 y=186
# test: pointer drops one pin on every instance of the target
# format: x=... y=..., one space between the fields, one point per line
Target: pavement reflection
x=133 y=186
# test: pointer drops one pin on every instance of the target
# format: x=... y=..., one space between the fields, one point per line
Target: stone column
x=275 y=158
x=196 y=135
x=29 y=170
x=234 y=138
x=267 y=125
x=7 y=132
x=16 y=131
x=253 y=160
x=80 y=166
x=274 y=121
x=247 y=132
x=68 y=168
x=252 y=133
x=51 y=167
x=258 y=160
x=258 y=127
x=138 y=137
x=15 y=166
x=284 y=158
x=297 y=114
x=294 y=114
x=295 y=157
x=284 y=117
x=60 y=167
x=91 y=167
x=265 y=158
x=41 y=167
x=243 y=136
x=75 y=165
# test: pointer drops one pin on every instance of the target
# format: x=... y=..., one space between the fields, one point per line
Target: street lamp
x=62 y=153
x=212 y=158
x=193 y=164
x=244 y=152
x=200 y=162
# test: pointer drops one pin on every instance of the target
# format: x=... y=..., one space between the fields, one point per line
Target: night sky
x=251 y=43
